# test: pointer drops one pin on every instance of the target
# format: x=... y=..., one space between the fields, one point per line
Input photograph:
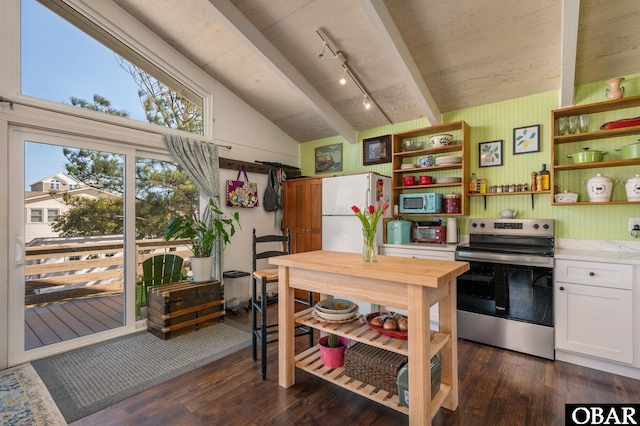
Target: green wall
x=496 y=122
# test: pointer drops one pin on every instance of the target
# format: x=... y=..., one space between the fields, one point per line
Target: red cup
x=409 y=180
x=426 y=180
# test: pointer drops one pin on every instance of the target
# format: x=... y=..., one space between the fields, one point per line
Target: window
x=54 y=184
x=52 y=215
x=63 y=64
x=36 y=215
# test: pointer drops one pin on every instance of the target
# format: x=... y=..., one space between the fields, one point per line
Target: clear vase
x=370 y=246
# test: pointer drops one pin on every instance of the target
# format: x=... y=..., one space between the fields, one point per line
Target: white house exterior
x=43 y=204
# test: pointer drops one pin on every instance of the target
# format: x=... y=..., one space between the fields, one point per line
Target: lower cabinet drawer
x=611 y=275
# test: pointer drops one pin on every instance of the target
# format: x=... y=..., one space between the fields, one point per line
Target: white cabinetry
x=594 y=309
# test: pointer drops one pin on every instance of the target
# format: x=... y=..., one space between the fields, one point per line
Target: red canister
x=426 y=180
x=451 y=203
x=409 y=180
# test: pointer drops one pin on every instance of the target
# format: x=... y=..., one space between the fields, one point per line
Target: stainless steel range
x=506 y=297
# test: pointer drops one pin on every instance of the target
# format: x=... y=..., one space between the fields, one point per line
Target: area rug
x=24 y=399
x=86 y=380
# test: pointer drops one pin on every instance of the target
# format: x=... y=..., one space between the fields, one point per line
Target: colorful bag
x=242 y=193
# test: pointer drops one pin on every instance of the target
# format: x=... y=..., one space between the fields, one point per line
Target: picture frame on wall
x=328 y=158
x=376 y=150
x=526 y=139
x=490 y=153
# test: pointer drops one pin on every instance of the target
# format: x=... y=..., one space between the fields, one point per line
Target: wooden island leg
x=419 y=360
x=286 y=332
x=449 y=354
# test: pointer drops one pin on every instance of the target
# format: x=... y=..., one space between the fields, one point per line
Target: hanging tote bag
x=242 y=193
x=270 y=201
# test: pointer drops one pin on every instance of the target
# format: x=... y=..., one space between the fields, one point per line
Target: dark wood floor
x=497 y=387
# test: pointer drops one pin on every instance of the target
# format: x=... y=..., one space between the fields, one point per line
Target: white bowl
x=336 y=306
x=441 y=140
x=566 y=197
x=337 y=317
x=408 y=166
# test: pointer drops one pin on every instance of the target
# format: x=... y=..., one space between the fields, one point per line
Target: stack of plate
x=335 y=310
x=448 y=159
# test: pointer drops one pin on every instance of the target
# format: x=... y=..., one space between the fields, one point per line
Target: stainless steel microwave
x=423 y=202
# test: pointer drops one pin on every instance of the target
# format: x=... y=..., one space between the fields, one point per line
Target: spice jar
x=451 y=203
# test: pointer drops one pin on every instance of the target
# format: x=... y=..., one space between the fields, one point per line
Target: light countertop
x=598 y=250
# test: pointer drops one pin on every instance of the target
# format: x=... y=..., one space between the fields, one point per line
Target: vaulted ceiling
x=415 y=58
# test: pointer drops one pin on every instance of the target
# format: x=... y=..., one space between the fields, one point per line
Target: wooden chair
x=264 y=332
x=156 y=270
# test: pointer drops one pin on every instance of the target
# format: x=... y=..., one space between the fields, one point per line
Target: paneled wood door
x=303 y=215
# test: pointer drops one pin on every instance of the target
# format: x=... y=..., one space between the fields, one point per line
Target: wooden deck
x=66 y=321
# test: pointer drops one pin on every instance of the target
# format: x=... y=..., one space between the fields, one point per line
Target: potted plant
x=332 y=350
x=202 y=236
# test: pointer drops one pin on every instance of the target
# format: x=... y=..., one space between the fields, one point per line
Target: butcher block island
x=404 y=283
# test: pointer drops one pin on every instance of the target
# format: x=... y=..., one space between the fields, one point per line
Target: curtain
x=200 y=161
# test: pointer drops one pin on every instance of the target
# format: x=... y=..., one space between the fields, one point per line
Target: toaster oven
x=428 y=233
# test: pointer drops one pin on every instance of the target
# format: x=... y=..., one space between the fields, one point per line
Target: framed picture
x=490 y=153
x=526 y=139
x=329 y=158
x=376 y=150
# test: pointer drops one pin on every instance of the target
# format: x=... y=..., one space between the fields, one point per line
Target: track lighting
x=341 y=57
x=343 y=79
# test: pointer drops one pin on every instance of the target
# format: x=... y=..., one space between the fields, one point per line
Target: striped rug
x=86 y=380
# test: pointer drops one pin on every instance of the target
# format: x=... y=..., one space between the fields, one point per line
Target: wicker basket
x=377 y=367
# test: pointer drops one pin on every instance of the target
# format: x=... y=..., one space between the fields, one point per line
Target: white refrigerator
x=341 y=228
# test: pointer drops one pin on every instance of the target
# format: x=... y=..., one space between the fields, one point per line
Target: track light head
x=321 y=54
x=343 y=79
x=366 y=102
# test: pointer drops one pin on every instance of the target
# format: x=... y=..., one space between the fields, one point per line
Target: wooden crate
x=183 y=307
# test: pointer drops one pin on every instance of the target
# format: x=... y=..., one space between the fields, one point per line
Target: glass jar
x=451 y=203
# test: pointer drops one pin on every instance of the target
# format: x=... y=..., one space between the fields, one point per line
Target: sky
x=59 y=61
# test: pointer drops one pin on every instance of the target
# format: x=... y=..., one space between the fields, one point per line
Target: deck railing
x=61 y=272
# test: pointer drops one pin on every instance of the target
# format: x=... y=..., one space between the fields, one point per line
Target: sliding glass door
x=68 y=221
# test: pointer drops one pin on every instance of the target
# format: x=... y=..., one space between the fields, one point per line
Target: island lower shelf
x=311 y=362
x=361 y=332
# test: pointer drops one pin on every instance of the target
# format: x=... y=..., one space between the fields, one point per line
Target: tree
x=162 y=105
x=99 y=104
x=163 y=191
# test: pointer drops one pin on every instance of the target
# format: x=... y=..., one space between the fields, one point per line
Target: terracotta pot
x=332 y=357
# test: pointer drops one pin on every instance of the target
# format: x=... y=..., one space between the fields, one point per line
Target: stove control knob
x=545 y=226
x=474 y=225
x=536 y=226
x=482 y=225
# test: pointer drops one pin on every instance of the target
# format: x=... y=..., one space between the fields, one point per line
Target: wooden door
x=303 y=215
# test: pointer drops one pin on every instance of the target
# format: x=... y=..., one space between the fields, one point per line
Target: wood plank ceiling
x=416 y=58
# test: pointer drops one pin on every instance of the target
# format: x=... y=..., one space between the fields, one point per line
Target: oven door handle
x=507 y=258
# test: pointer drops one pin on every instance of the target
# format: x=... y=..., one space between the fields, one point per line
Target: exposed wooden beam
x=259 y=45
x=570 y=15
x=388 y=32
